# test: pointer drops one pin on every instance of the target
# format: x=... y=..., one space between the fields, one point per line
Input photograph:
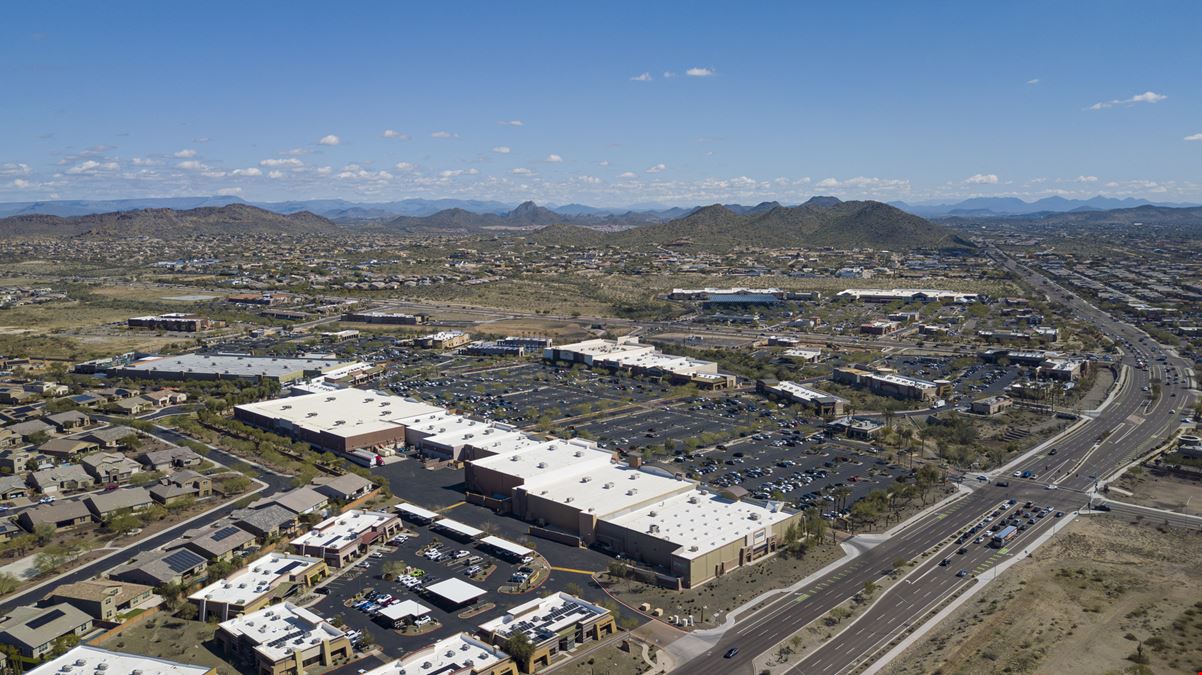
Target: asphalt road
x=274 y=483
x=1131 y=424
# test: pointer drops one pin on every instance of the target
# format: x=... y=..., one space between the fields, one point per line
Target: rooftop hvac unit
x=578 y=454
x=652 y=514
x=632 y=491
x=586 y=479
x=755 y=516
x=608 y=485
x=542 y=465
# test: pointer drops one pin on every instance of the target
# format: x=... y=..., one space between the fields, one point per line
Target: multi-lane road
x=1130 y=424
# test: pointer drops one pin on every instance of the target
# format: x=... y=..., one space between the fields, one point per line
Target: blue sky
x=602 y=103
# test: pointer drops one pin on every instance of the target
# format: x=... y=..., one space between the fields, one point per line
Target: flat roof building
x=342 y=420
x=821 y=402
x=88 y=659
x=340 y=539
x=907 y=295
x=459 y=654
x=250 y=589
x=553 y=624
x=228 y=367
x=454 y=593
x=283 y=639
x=628 y=354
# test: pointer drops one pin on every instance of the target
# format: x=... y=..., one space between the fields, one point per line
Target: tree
x=616 y=569
x=8 y=583
x=520 y=648
x=172 y=594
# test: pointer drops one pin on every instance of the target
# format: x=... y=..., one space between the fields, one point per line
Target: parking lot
x=369 y=575
x=521 y=394
x=783 y=465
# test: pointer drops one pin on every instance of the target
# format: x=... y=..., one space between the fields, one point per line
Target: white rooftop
x=802 y=392
x=85 y=659
x=700 y=522
x=342 y=530
x=255 y=581
x=404 y=610
x=547 y=462
x=280 y=630
x=459 y=528
x=415 y=510
x=344 y=412
x=608 y=490
x=235 y=365
x=506 y=545
x=455 y=590
x=456 y=655
x=542 y=618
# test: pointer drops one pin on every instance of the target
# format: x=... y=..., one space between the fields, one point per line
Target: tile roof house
x=66 y=448
x=107 y=503
x=62 y=515
x=110 y=437
x=69 y=420
x=345 y=488
x=33 y=630
x=61 y=478
x=300 y=501
x=31 y=428
x=102 y=599
x=110 y=467
x=219 y=542
x=13 y=487
x=156 y=568
x=169 y=458
x=268 y=521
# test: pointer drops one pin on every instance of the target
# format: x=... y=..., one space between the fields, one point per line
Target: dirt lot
x=1160 y=491
x=715 y=598
x=175 y=639
x=609 y=659
x=1102 y=597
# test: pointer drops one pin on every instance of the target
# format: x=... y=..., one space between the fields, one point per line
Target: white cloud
x=1194 y=137
x=443 y=134
x=626 y=174
x=357 y=172
x=503 y=149
x=590 y=180
x=192 y=165
x=20 y=183
x=143 y=161
x=185 y=154
x=1087 y=179
x=291 y=162
x=394 y=134
x=521 y=171
x=92 y=166
x=230 y=191
x=14 y=169
x=1146 y=97
x=982 y=179
x=451 y=173
x=699 y=72
x=1033 y=81
x=864 y=182
x=669 y=74
x=405 y=166
x=553 y=158
x=658 y=168
x=642 y=77
x=275 y=174
x=325 y=170
x=252 y=171
x=329 y=139
x=296 y=152
x=511 y=123
x=604 y=162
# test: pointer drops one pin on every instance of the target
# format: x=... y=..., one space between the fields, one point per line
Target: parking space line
x=452 y=506
x=573 y=571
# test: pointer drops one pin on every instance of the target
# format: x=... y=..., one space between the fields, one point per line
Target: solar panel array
x=182 y=561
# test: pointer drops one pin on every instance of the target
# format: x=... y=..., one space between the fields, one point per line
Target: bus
x=1004 y=535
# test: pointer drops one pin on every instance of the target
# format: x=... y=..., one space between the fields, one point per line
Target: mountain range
x=1013 y=206
x=822 y=221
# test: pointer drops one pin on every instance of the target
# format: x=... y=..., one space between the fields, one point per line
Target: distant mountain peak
x=821 y=200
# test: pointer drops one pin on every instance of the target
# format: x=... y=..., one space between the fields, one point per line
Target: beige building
x=554 y=624
x=282 y=639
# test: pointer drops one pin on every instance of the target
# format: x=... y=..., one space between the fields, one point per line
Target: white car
x=1017 y=474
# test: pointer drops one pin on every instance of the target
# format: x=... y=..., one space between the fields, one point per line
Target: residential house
x=22 y=460
x=34 y=630
x=13 y=396
x=31 y=429
x=131 y=406
x=9 y=530
x=162 y=398
x=69 y=420
x=106 y=504
x=217 y=542
x=300 y=501
x=46 y=388
x=9 y=438
x=345 y=488
x=158 y=568
x=62 y=515
x=13 y=487
x=270 y=521
x=111 y=438
x=168 y=459
x=110 y=467
x=102 y=599
x=65 y=449
x=61 y=479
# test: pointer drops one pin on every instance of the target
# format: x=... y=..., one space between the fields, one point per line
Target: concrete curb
x=934 y=621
